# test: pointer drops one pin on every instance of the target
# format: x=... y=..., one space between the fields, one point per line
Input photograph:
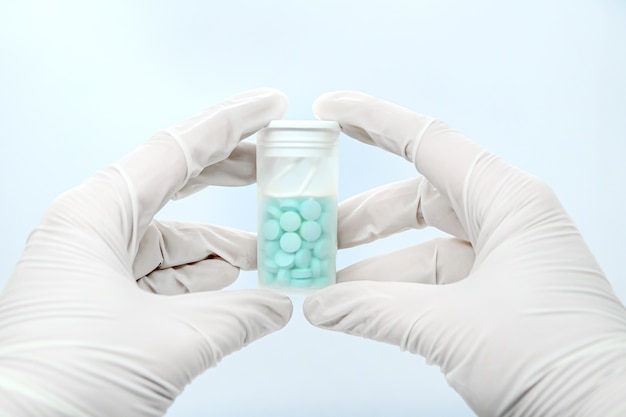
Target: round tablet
x=270 y=265
x=316 y=267
x=284 y=259
x=290 y=221
x=283 y=276
x=301 y=283
x=301 y=273
x=289 y=204
x=310 y=209
x=267 y=277
x=310 y=230
x=325 y=267
x=274 y=211
x=303 y=258
x=322 y=248
x=271 y=229
x=271 y=247
x=328 y=222
x=290 y=242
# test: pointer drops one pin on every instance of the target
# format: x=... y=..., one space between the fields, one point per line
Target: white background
x=540 y=82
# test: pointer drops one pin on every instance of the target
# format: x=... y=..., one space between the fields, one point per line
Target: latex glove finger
x=168 y=247
x=114 y=207
x=165 y=164
x=483 y=191
x=223 y=322
x=236 y=170
x=411 y=316
x=439 y=261
x=393 y=208
x=443 y=155
x=142 y=350
x=207 y=275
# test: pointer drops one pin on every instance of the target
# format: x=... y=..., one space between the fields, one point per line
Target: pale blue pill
x=270 y=247
x=271 y=229
x=270 y=265
x=289 y=204
x=322 y=249
x=290 y=242
x=290 y=221
x=274 y=211
x=316 y=267
x=310 y=230
x=284 y=259
x=310 y=209
x=301 y=283
x=268 y=277
x=325 y=267
x=303 y=258
x=301 y=273
x=328 y=222
x=283 y=277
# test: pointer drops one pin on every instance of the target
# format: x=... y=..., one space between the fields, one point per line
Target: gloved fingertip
x=277 y=98
x=284 y=306
x=316 y=310
x=324 y=106
x=280 y=308
x=311 y=309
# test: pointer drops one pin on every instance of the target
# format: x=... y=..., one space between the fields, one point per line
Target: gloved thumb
x=414 y=317
x=211 y=325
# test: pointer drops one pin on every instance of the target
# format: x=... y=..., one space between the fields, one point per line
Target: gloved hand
x=523 y=321
x=78 y=337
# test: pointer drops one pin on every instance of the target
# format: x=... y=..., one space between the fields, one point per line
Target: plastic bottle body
x=297 y=177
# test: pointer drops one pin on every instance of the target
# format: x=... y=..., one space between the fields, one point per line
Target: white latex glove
x=78 y=337
x=524 y=322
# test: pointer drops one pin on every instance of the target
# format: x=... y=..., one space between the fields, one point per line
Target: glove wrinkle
x=528 y=324
x=79 y=335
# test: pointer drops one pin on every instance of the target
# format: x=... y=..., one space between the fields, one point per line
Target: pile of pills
x=297 y=242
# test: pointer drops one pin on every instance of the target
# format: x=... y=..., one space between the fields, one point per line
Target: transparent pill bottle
x=297 y=181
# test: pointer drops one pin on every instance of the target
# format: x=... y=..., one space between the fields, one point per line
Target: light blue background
x=540 y=82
